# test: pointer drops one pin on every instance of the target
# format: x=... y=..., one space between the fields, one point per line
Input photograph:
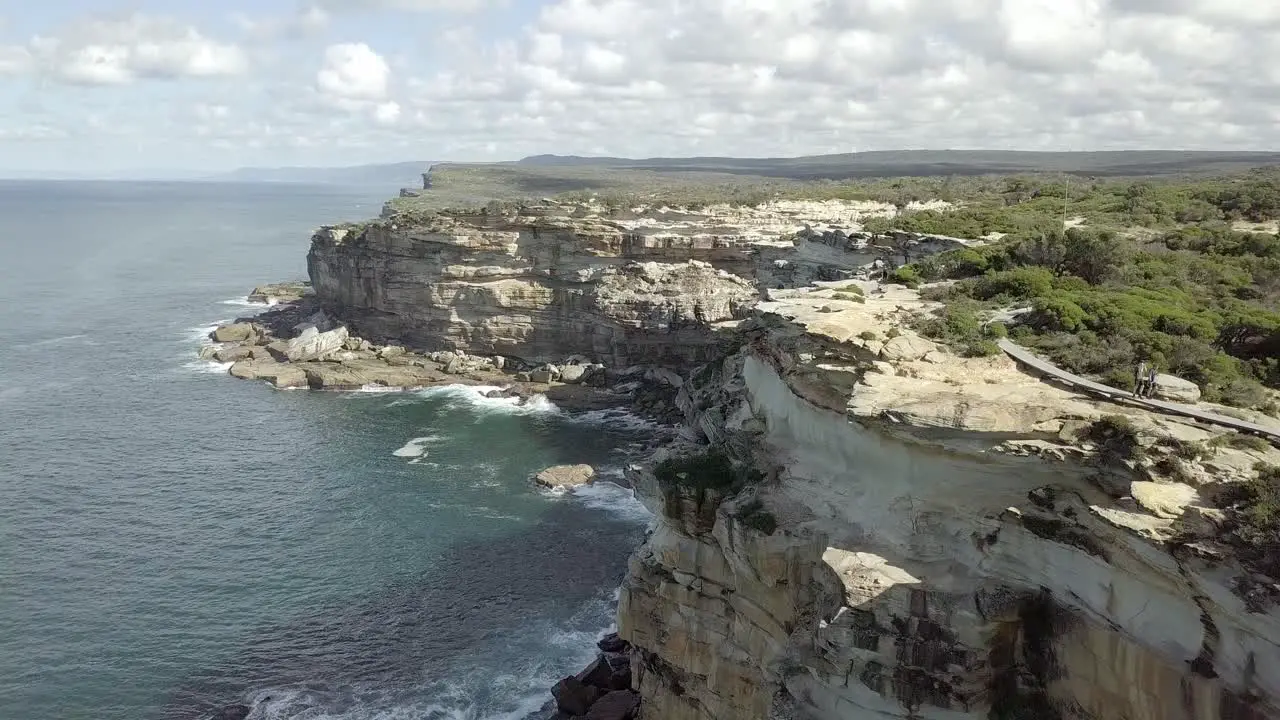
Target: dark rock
x=617 y=705
x=232 y=712
x=611 y=643
x=597 y=674
x=620 y=679
x=573 y=697
x=618 y=661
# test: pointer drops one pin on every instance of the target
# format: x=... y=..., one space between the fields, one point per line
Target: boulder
x=455 y=367
x=573 y=697
x=310 y=345
x=907 y=347
x=611 y=643
x=391 y=351
x=319 y=320
x=541 y=376
x=597 y=674
x=233 y=353
x=566 y=476
x=278 y=374
x=620 y=679
x=616 y=705
x=498 y=361
x=573 y=373
x=664 y=376
x=1176 y=389
x=355 y=374
x=280 y=292
x=235 y=332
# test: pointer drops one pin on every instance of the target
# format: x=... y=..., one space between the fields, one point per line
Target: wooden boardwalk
x=1026 y=358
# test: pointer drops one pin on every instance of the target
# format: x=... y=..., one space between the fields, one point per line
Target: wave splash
x=520 y=690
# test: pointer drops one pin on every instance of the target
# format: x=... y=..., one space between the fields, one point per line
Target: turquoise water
x=173 y=540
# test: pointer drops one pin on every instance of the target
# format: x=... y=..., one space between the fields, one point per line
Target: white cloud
x=308 y=20
x=353 y=71
x=120 y=51
x=688 y=77
x=405 y=5
x=14 y=59
x=387 y=113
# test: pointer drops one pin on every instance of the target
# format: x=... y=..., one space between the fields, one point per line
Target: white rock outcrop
x=1176 y=389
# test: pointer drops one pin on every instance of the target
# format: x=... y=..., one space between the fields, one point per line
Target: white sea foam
x=207 y=367
x=614 y=499
x=615 y=418
x=416 y=447
x=244 y=301
x=518 y=688
x=472 y=397
x=49 y=341
x=200 y=334
x=366 y=390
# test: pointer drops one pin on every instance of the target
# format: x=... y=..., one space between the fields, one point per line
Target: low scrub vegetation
x=1253 y=519
x=754 y=516
x=1116 y=438
x=1190 y=294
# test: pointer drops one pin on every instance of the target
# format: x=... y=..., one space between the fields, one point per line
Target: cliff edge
x=856 y=522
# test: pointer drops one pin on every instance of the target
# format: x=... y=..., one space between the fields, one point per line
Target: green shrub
x=753 y=515
x=995 y=330
x=1115 y=436
x=710 y=470
x=905 y=275
x=1175 y=469
x=1019 y=284
x=1240 y=441
x=868 y=335
x=981 y=348
x=1186 y=449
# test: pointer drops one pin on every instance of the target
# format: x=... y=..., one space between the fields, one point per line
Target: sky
x=107 y=86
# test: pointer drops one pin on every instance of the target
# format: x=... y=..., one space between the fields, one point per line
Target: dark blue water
x=173 y=540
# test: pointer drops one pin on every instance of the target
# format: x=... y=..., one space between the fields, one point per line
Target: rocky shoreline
x=852 y=519
x=294 y=344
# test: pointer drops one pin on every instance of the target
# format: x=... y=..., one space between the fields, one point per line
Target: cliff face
x=922 y=536
x=532 y=287
x=545 y=280
x=939 y=544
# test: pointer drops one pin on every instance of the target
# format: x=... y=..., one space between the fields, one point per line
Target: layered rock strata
x=542 y=280
x=905 y=533
x=937 y=537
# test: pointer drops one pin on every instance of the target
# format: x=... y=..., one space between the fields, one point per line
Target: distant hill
x=406 y=174
x=892 y=163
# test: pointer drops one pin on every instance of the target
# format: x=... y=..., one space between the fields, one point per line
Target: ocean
x=173 y=540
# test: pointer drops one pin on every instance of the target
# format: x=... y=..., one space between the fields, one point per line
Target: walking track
x=1026 y=358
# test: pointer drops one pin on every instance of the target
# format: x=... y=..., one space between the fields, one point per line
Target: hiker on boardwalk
x=1139 y=379
x=1151 y=380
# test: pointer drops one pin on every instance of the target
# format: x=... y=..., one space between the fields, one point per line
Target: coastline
x=258 y=344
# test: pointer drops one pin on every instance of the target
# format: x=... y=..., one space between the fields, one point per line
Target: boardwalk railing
x=1044 y=367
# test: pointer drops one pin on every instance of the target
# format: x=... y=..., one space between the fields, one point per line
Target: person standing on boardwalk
x=1151 y=380
x=1139 y=378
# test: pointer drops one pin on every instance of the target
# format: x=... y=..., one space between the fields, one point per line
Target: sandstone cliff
x=895 y=531
x=541 y=280
x=936 y=538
